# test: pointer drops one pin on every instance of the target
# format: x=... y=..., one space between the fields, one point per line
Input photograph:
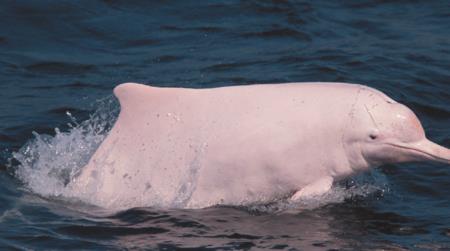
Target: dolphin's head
x=389 y=132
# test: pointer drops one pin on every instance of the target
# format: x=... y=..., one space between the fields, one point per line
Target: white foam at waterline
x=49 y=163
x=12 y=214
x=363 y=185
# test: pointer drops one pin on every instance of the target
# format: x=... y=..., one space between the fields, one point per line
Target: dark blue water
x=59 y=56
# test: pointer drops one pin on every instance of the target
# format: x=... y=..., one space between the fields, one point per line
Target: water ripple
x=60 y=68
x=279 y=33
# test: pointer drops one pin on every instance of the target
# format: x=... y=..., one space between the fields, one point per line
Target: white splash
x=364 y=185
x=49 y=163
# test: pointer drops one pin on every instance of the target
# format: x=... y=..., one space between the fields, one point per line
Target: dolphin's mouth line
x=430 y=155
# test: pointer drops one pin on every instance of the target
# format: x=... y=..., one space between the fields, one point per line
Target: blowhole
x=373 y=136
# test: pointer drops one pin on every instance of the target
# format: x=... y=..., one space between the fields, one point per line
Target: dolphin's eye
x=373 y=136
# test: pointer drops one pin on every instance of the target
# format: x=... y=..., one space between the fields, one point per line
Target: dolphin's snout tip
x=434 y=152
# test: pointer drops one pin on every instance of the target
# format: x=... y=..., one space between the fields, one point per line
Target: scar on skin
x=352 y=108
x=351 y=113
x=371 y=117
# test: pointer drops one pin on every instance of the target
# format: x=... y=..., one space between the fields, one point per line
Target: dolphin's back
x=177 y=147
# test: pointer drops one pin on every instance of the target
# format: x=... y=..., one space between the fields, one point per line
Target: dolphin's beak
x=425 y=150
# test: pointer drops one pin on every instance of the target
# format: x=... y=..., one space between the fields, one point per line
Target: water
x=66 y=56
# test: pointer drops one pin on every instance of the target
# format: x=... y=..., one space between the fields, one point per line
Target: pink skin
x=194 y=148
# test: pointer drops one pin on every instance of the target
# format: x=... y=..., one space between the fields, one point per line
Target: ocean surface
x=60 y=60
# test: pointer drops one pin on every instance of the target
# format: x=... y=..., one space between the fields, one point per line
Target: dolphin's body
x=194 y=148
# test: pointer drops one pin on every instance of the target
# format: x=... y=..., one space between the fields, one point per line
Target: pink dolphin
x=194 y=148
